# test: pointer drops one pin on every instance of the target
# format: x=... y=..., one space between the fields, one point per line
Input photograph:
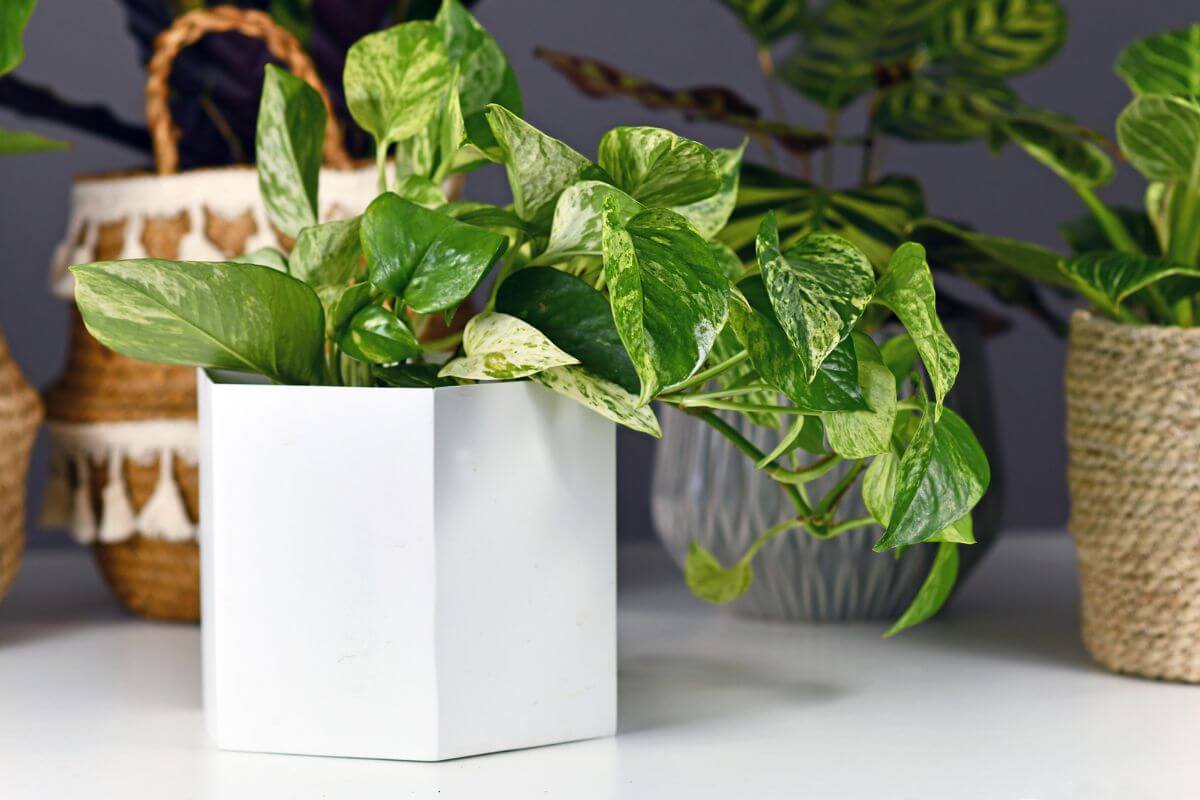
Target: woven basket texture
x=20 y=414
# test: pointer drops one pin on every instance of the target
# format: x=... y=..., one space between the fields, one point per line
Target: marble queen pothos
x=609 y=288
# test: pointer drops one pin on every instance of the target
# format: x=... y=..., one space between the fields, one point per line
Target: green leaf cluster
x=14 y=17
x=610 y=285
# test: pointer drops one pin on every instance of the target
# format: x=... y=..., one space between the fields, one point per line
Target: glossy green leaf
x=997 y=38
x=579 y=220
x=1109 y=278
x=341 y=303
x=835 y=388
x=410 y=376
x=428 y=258
x=819 y=287
x=539 y=167
x=907 y=289
x=879 y=491
x=265 y=257
x=376 y=336
x=574 y=316
x=899 y=354
x=1075 y=159
x=859 y=434
x=429 y=155
x=605 y=398
x=14 y=16
x=480 y=61
x=396 y=80
x=668 y=294
x=942 y=474
x=327 y=254
x=768 y=20
x=14 y=143
x=711 y=582
x=1161 y=138
x=709 y=214
x=960 y=532
x=501 y=347
x=1166 y=64
x=727 y=261
x=937 y=107
x=934 y=592
x=224 y=315
x=291 y=128
x=420 y=190
x=659 y=168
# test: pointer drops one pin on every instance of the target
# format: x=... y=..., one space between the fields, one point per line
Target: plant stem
x=705 y=375
x=690 y=399
x=729 y=405
x=1109 y=222
x=829 y=503
x=747 y=448
x=381 y=149
x=848 y=525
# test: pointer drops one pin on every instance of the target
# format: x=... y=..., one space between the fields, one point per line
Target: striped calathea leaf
x=1166 y=64
x=997 y=38
x=500 y=347
x=769 y=20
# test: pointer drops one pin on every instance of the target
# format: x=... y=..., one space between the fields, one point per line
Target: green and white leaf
x=431 y=154
x=940 y=107
x=341 y=303
x=1166 y=64
x=577 y=229
x=377 y=336
x=1107 y=279
x=1161 y=138
x=859 y=434
x=1073 y=158
x=224 y=315
x=879 y=490
x=709 y=214
x=327 y=254
x=659 y=168
x=500 y=347
x=291 y=129
x=997 y=38
x=711 y=582
x=934 y=592
x=605 y=398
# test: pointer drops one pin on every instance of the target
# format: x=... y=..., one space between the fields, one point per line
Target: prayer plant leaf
x=500 y=347
x=859 y=434
x=225 y=315
x=907 y=289
x=1166 y=64
x=377 y=336
x=1072 y=157
x=577 y=229
x=327 y=254
x=291 y=128
x=709 y=214
x=768 y=20
x=429 y=259
x=997 y=38
x=659 y=168
x=396 y=79
x=669 y=296
x=1161 y=138
x=941 y=475
x=819 y=287
x=835 y=387
x=574 y=316
x=934 y=592
x=605 y=398
x=539 y=167
x=711 y=582
x=1107 y=279
x=944 y=107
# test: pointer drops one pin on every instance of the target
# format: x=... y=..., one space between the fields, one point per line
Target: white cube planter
x=405 y=573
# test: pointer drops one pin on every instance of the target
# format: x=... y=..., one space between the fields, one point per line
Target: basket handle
x=190 y=28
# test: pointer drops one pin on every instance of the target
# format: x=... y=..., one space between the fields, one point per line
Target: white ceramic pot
x=405 y=573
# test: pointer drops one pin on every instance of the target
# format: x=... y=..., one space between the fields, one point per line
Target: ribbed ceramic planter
x=1133 y=432
x=704 y=488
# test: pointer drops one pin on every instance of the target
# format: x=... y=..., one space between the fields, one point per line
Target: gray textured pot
x=704 y=488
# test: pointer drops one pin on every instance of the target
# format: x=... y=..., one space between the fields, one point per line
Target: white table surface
x=995 y=700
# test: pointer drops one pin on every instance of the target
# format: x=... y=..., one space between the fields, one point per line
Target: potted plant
x=926 y=72
x=1130 y=377
x=410 y=556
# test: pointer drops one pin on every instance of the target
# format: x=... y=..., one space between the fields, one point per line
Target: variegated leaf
x=997 y=37
x=657 y=167
x=579 y=220
x=500 y=347
x=1166 y=64
x=607 y=399
x=859 y=434
x=709 y=215
x=291 y=127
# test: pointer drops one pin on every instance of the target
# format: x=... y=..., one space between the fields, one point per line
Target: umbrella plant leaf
x=605 y=398
x=431 y=260
x=819 y=287
x=224 y=315
x=940 y=477
x=14 y=16
x=1166 y=64
x=396 y=80
x=377 y=336
x=291 y=128
x=577 y=228
x=768 y=20
x=907 y=289
x=327 y=254
x=1109 y=278
x=709 y=214
x=997 y=38
x=859 y=434
x=934 y=592
x=19 y=142
x=1075 y=159
x=539 y=167
x=574 y=316
x=501 y=347
x=712 y=582
x=668 y=294
x=1161 y=138
x=835 y=387
x=659 y=168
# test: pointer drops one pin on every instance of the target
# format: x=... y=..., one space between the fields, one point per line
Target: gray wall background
x=81 y=49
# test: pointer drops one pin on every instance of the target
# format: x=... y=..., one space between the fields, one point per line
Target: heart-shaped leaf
x=659 y=168
x=376 y=336
x=934 y=592
x=579 y=220
x=712 y=582
x=819 y=287
x=291 y=128
x=327 y=254
x=224 y=315
x=859 y=434
x=341 y=303
x=605 y=398
x=709 y=214
x=500 y=347
x=1166 y=64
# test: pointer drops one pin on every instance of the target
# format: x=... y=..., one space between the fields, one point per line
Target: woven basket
x=20 y=413
x=1133 y=430
x=124 y=476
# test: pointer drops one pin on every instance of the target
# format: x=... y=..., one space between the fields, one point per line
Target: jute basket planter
x=1133 y=430
x=125 y=436
x=20 y=413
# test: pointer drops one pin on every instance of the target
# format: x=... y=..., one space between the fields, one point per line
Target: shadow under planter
x=704 y=488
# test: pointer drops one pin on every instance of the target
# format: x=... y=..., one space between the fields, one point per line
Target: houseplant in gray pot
x=927 y=73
